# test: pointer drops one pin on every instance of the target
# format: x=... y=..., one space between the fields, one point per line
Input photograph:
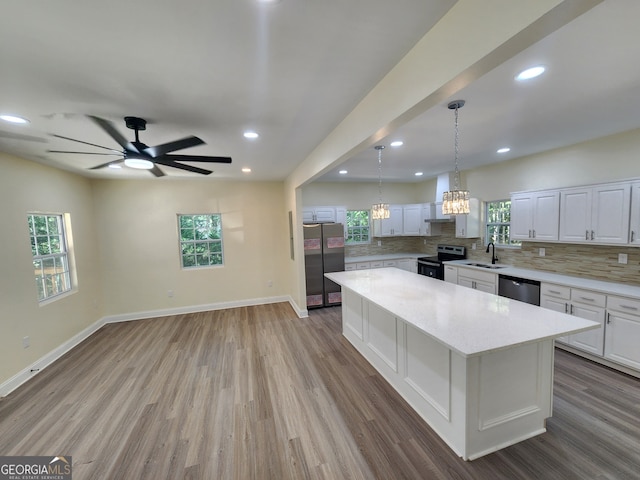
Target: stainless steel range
x=433 y=266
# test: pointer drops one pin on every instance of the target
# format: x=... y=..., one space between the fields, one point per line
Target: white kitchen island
x=477 y=367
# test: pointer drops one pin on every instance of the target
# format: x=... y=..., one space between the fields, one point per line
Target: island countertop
x=467 y=321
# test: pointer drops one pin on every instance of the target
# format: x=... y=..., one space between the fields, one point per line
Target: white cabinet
x=451 y=274
x=478 y=280
x=324 y=215
x=598 y=214
x=469 y=225
x=535 y=216
x=634 y=224
x=427 y=228
x=349 y=267
x=391 y=226
x=411 y=215
x=622 y=332
x=408 y=264
x=581 y=303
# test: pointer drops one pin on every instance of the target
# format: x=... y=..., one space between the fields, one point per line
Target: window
x=357 y=227
x=50 y=255
x=200 y=240
x=498 y=217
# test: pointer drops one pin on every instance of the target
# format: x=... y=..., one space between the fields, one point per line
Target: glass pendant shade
x=456 y=201
x=380 y=211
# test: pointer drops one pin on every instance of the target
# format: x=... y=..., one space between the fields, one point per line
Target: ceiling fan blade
x=157 y=172
x=189 y=168
x=87 y=143
x=112 y=162
x=84 y=153
x=165 y=148
x=197 y=158
x=108 y=127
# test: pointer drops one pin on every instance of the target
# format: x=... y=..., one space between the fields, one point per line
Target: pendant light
x=380 y=210
x=456 y=201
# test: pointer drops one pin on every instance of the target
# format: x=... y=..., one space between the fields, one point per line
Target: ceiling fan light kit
x=139 y=156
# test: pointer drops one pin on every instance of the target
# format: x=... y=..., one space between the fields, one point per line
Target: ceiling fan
x=136 y=154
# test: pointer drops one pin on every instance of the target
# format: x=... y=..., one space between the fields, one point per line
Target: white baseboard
x=22 y=376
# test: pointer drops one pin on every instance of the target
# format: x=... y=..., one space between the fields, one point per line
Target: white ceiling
x=292 y=71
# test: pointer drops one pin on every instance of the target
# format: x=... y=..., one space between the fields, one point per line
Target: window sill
x=55 y=298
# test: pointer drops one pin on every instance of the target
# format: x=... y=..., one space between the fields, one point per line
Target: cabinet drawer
x=474 y=274
x=588 y=297
x=349 y=266
x=376 y=264
x=363 y=265
x=623 y=304
x=390 y=263
x=553 y=290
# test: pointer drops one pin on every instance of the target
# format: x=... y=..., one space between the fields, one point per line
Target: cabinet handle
x=571 y=310
x=608 y=318
x=587 y=299
x=628 y=307
x=566 y=308
x=529 y=233
x=632 y=232
x=534 y=234
x=591 y=234
x=586 y=235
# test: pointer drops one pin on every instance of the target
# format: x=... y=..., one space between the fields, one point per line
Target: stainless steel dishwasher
x=521 y=289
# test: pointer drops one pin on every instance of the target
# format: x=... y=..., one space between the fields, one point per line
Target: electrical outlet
x=473 y=246
x=623 y=258
x=270 y=283
x=169 y=293
x=26 y=343
x=541 y=252
x=379 y=243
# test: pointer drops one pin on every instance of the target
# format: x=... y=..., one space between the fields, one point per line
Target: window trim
x=359 y=227
x=209 y=241
x=512 y=243
x=65 y=254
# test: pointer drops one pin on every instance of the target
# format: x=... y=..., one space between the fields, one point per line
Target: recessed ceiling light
x=530 y=73
x=343 y=172
x=268 y=1
x=246 y=170
x=251 y=135
x=115 y=166
x=418 y=174
x=14 y=119
x=397 y=143
x=504 y=150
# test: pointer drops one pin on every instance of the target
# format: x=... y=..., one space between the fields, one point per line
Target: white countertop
x=622 y=289
x=387 y=256
x=467 y=321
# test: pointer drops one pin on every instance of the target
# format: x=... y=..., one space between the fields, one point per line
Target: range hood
x=445 y=180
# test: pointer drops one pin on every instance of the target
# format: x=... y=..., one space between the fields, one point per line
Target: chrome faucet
x=494 y=259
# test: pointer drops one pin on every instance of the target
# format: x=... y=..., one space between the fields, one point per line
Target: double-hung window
x=50 y=254
x=498 y=215
x=358 y=229
x=200 y=240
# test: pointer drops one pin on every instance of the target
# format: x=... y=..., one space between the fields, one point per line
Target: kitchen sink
x=485 y=265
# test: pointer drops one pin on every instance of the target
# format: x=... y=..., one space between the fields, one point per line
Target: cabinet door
x=591 y=341
x=411 y=215
x=521 y=227
x=486 y=287
x=610 y=213
x=558 y=305
x=325 y=214
x=575 y=215
x=634 y=226
x=308 y=215
x=465 y=281
x=622 y=339
x=468 y=226
x=545 y=223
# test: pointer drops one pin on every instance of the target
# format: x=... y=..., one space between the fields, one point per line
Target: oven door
x=431 y=269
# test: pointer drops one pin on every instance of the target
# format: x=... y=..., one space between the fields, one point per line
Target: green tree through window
x=498 y=216
x=200 y=240
x=358 y=230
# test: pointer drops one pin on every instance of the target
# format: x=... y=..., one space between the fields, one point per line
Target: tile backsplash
x=595 y=262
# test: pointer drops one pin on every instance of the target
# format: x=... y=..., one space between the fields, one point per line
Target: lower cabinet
x=581 y=303
x=451 y=274
x=623 y=331
x=483 y=281
x=408 y=264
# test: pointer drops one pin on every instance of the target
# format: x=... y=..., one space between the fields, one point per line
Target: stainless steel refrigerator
x=323 y=253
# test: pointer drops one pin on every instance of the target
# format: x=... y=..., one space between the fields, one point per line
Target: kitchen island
x=477 y=367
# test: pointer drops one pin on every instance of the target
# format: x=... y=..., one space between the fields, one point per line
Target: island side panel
x=509 y=396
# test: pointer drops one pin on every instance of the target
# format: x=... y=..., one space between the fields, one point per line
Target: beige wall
x=136 y=222
x=30 y=187
x=360 y=196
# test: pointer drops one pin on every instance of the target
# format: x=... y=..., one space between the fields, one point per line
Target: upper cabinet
x=598 y=214
x=427 y=228
x=535 y=216
x=634 y=224
x=391 y=226
x=412 y=220
x=320 y=214
x=469 y=225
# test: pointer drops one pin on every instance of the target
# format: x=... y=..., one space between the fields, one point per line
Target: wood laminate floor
x=256 y=393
